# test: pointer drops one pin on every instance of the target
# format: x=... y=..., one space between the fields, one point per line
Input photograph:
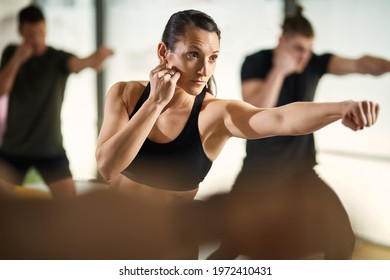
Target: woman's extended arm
x=245 y=121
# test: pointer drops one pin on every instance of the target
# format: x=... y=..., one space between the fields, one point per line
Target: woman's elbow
x=104 y=167
x=105 y=173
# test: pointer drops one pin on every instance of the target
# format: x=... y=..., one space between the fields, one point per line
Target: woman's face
x=195 y=57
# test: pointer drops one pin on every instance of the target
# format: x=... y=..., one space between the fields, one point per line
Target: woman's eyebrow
x=200 y=49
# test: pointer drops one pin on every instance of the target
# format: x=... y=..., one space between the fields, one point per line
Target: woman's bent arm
x=120 y=138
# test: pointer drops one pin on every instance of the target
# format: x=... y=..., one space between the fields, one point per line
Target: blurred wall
x=8 y=20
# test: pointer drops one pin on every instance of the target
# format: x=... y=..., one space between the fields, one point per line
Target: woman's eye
x=192 y=55
x=213 y=58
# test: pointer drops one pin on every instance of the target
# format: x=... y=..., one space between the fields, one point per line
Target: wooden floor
x=363 y=251
x=369 y=251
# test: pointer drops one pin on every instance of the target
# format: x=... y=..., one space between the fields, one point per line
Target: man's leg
x=246 y=180
x=56 y=173
x=63 y=189
x=12 y=170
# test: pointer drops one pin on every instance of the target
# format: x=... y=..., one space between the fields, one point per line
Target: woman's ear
x=162 y=51
x=281 y=40
x=20 y=31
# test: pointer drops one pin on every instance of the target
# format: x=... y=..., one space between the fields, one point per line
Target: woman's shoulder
x=214 y=105
x=216 y=101
x=126 y=92
x=217 y=106
x=122 y=87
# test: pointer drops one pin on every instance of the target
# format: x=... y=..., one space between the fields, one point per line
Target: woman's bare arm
x=246 y=121
x=121 y=138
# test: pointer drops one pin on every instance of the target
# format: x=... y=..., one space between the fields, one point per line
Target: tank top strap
x=143 y=98
x=195 y=109
x=198 y=104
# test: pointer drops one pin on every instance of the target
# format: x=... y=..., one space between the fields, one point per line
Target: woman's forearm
x=117 y=152
x=306 y=117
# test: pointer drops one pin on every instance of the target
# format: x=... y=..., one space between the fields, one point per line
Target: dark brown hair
x=30 y=14
x=176 y=28
x=296 y=23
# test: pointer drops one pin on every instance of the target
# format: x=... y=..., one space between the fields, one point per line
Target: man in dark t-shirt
x=290 y=73
x=34 y=76
x=292 y=151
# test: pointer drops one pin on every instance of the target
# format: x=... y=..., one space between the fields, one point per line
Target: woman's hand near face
x=162 y=84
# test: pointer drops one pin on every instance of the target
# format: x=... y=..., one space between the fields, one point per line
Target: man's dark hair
x=296 y=23
x=30 y=14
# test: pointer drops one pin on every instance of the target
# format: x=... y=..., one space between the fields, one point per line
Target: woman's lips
x=199 y=82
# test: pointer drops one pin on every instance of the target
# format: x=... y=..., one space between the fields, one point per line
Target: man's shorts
x=51 y=168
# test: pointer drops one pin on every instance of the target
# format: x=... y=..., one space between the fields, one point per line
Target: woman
x=159 y=139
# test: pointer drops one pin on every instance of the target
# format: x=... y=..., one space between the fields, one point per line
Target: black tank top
x=177 y=165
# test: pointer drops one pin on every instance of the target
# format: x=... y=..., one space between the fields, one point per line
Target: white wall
x=8 y=20
x=71 y=27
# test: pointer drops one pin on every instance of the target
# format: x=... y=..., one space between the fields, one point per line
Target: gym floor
x=368 y=251
x=364 y=250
